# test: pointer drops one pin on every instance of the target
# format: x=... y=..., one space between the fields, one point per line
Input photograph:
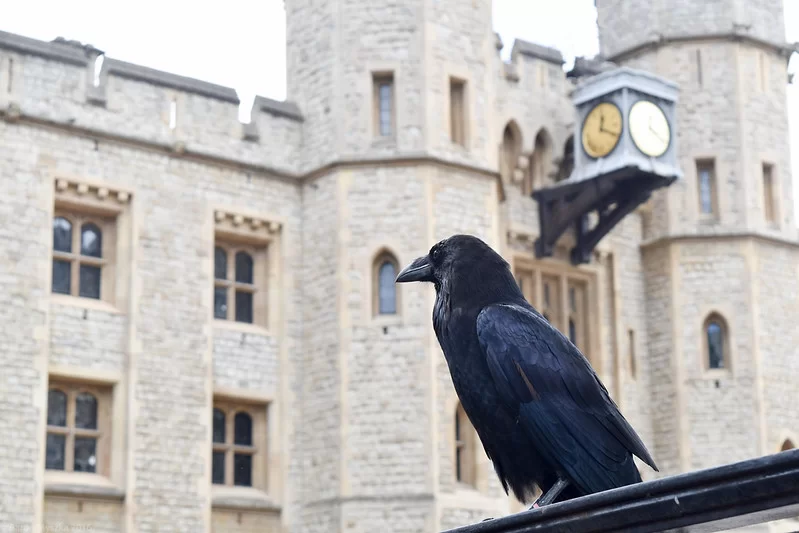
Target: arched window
x=385 y=290
x=77 y=257
x=567 y=162
x=234 y=447
x=539 y=163
x=234 y=284
x=511 y=146
x=74 y=429
x=787 y=445
x=716 y=342
x=465 y=444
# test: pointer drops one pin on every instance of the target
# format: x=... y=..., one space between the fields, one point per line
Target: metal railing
x=741 y=494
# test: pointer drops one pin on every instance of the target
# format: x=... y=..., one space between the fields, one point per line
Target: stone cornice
x=186 y=152
x=784 y=49
x=731 y=235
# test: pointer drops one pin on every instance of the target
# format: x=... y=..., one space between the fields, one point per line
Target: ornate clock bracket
x=612 y=196
x=625 y=122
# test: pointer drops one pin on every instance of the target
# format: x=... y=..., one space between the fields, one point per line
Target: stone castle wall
x=361 y=408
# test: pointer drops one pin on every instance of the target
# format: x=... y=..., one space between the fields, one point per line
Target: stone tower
x=719 y=249
x=378 y=84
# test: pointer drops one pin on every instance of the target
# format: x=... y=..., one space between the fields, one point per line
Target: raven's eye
x=436 y=253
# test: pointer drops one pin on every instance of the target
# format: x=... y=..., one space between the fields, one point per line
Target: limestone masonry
x=200 y=327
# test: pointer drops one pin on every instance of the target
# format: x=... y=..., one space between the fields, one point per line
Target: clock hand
x=655 y=133
x=614 y=133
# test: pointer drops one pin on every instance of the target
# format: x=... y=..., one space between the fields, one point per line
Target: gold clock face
x=649 y=128
x=602 y=129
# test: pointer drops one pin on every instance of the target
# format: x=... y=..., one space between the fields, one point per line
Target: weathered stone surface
x=362 y=421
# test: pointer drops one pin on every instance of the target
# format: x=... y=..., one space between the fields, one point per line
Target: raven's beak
x=419 y=270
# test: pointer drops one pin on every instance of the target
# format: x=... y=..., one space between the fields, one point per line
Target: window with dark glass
x=78 y=259
x=234 y=283
x=715 y=333
x=73 y=430
x=234 y=447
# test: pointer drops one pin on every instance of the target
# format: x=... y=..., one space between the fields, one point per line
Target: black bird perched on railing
x=542 y=414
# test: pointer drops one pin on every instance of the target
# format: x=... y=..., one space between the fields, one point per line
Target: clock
x=602 y=129
x=649 y=128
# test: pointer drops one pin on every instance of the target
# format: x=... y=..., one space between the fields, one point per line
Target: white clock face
x=649 y=128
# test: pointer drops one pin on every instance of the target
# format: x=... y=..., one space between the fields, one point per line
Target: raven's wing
x=566 y=411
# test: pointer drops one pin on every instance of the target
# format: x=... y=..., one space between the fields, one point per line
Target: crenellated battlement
x=76 y=84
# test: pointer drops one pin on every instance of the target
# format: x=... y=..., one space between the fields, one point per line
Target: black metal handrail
x=735 y=495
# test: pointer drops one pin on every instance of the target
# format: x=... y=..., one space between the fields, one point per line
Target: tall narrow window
x=567 y=162
x=457 y=111
x=465 y=456
x=384 y=104
x=539 y=163
x=550 y=305
x=698 y=67
x=78 y=258
x=385 y=271
x=706 y=181
x=631 y=353
x=716 y=344
x=511 y=145
x=577 y=314
x=76 y=429
x=769 y=197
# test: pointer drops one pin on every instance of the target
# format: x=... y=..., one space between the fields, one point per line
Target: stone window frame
x=381 y=78
x=383 y=256
x=259 y=237
x=564 y=276
x=106 y=227
x=510 y=153
x=458 y=106
x=464 y=452
x=108 y=207
x=257 y=288
x=718 y=316
x=770 y=194
x=103 y=393
x=258 y=411
x=711 y=163
x=540 y=162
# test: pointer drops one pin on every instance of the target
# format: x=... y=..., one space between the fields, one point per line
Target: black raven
x=542 y=414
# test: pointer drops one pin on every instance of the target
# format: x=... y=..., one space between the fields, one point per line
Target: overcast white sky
x=241 y=43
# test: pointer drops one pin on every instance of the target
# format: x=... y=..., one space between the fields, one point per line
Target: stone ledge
x=784 y=49
x=166 y=79
x=57 y=50
x=243 y=499
x=537 y=51
x=76 y=490
x=278 y=108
